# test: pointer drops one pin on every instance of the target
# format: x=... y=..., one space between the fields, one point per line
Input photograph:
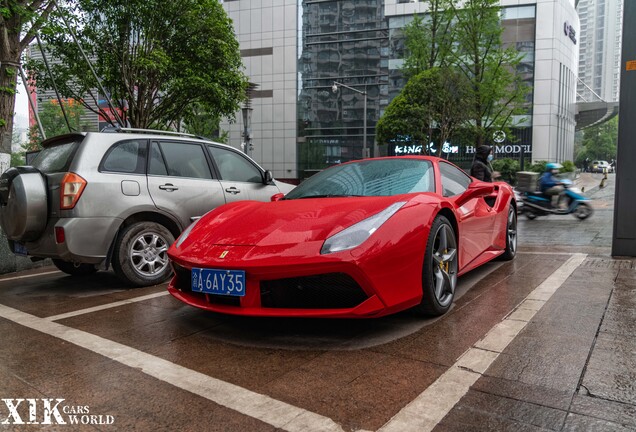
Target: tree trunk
x=8 y=82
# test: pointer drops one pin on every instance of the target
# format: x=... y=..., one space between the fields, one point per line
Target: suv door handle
x=168 y=187
x=233 y=190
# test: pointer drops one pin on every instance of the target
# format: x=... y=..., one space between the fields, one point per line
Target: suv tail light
x=71 y=189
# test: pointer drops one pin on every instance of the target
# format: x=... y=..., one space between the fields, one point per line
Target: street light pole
x=334 y=88
x=247 y=134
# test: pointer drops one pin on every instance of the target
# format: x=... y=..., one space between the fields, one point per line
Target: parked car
x=361 y=239
x=601 y=166
x=91 y=200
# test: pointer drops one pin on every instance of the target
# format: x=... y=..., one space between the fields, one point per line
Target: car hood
x=251 y=223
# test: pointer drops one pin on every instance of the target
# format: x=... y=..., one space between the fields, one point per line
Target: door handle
x=168 y=187
x=233 y=190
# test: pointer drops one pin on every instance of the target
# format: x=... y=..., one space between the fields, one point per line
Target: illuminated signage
x=419 y=149
x=507 y=149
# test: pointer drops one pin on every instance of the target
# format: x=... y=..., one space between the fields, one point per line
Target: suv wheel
x=141 y=254
x=74 y=269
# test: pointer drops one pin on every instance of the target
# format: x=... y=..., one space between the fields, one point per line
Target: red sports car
x=361 y=239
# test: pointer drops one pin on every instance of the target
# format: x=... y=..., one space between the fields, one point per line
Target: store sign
x=407 y=149
x=569 y=31
x=506 y=149
x=419 y=149
x=499 y=136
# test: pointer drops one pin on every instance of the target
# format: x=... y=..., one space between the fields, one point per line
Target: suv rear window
x=56 y=158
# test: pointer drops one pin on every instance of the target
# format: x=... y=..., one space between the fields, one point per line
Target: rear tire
x=141 y=254
x=530 y=214
x=511 y=235
x=439 y=275
x=74 y=269
x=583 y=211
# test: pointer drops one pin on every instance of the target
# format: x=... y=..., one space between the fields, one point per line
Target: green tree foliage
x=433 y=102
x=201 y=123
x=20 y=20
x=599 y=142
x=17 y=159
x=161 y=61
x=403 y=122
x=53 y=122
x=428 y=39
x=498 y=92
x=507 y=168
x=462 y=38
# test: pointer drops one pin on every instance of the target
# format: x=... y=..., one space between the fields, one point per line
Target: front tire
x=583 y=211
x=439 y=275
x=530 y=214
x=74 y=269
x=141 y=254
x=511 y=235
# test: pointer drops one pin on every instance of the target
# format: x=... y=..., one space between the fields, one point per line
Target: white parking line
x=106 y=306
x=264 y=408
x=28 y=276
x=434 y=403
x=421 y=414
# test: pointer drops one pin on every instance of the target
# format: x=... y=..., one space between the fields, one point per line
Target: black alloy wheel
x=511 y=235
x=439 y=275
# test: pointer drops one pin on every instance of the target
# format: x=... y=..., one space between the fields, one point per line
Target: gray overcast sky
x=21 y=119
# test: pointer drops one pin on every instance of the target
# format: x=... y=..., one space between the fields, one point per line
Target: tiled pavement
x=573 y=368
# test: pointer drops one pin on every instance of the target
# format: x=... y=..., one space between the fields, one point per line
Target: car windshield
x=56 y=158
x=380 y=177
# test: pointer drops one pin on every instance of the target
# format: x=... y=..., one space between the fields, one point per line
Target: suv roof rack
x=152 y=131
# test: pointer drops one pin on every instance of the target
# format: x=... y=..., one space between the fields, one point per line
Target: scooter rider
x=550 y=185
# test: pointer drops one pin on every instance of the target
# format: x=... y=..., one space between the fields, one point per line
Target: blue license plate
x=222 y=282
x=19 y=249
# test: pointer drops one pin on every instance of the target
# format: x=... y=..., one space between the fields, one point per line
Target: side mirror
x=478 y=189
x=277 y=197
x=268 y=178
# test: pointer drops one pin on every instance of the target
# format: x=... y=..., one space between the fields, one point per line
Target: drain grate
x=608 y=263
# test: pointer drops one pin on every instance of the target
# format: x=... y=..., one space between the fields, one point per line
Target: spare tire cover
x=23 y=211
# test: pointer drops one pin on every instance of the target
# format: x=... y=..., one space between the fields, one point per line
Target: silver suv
x=94 y=199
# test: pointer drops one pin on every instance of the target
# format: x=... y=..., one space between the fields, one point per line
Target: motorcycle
x=571 y=201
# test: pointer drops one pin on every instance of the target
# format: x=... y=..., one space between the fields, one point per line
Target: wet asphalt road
x=544 y=342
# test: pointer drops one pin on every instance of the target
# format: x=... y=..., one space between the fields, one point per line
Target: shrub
x=568 y=166
x=507 y=168
x=539 y=167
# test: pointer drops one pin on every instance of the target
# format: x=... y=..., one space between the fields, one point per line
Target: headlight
x=356 y=234
x=184 y=235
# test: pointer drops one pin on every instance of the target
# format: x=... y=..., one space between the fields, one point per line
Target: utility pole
x=624 y=235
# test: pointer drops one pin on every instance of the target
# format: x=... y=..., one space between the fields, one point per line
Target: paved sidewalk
x=573 y=366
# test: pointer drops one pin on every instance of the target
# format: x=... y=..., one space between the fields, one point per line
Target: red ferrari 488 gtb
x=361 y=239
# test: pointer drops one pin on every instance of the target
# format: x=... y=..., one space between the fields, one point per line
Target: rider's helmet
x=553 y=167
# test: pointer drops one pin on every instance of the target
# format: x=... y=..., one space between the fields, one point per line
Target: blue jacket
x=547 y=181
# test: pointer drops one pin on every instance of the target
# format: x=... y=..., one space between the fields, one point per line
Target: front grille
x=183 y=283
x=326 y=291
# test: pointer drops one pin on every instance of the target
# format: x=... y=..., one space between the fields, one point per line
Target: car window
x=235 y=167
x=184 y=160
x=56 y=158
x=380 y=177
x=126 y=157
x=454 y=180
x=157 y=166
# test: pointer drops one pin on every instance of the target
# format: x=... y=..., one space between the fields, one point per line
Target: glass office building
x=359 y=44
x=344 y=42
